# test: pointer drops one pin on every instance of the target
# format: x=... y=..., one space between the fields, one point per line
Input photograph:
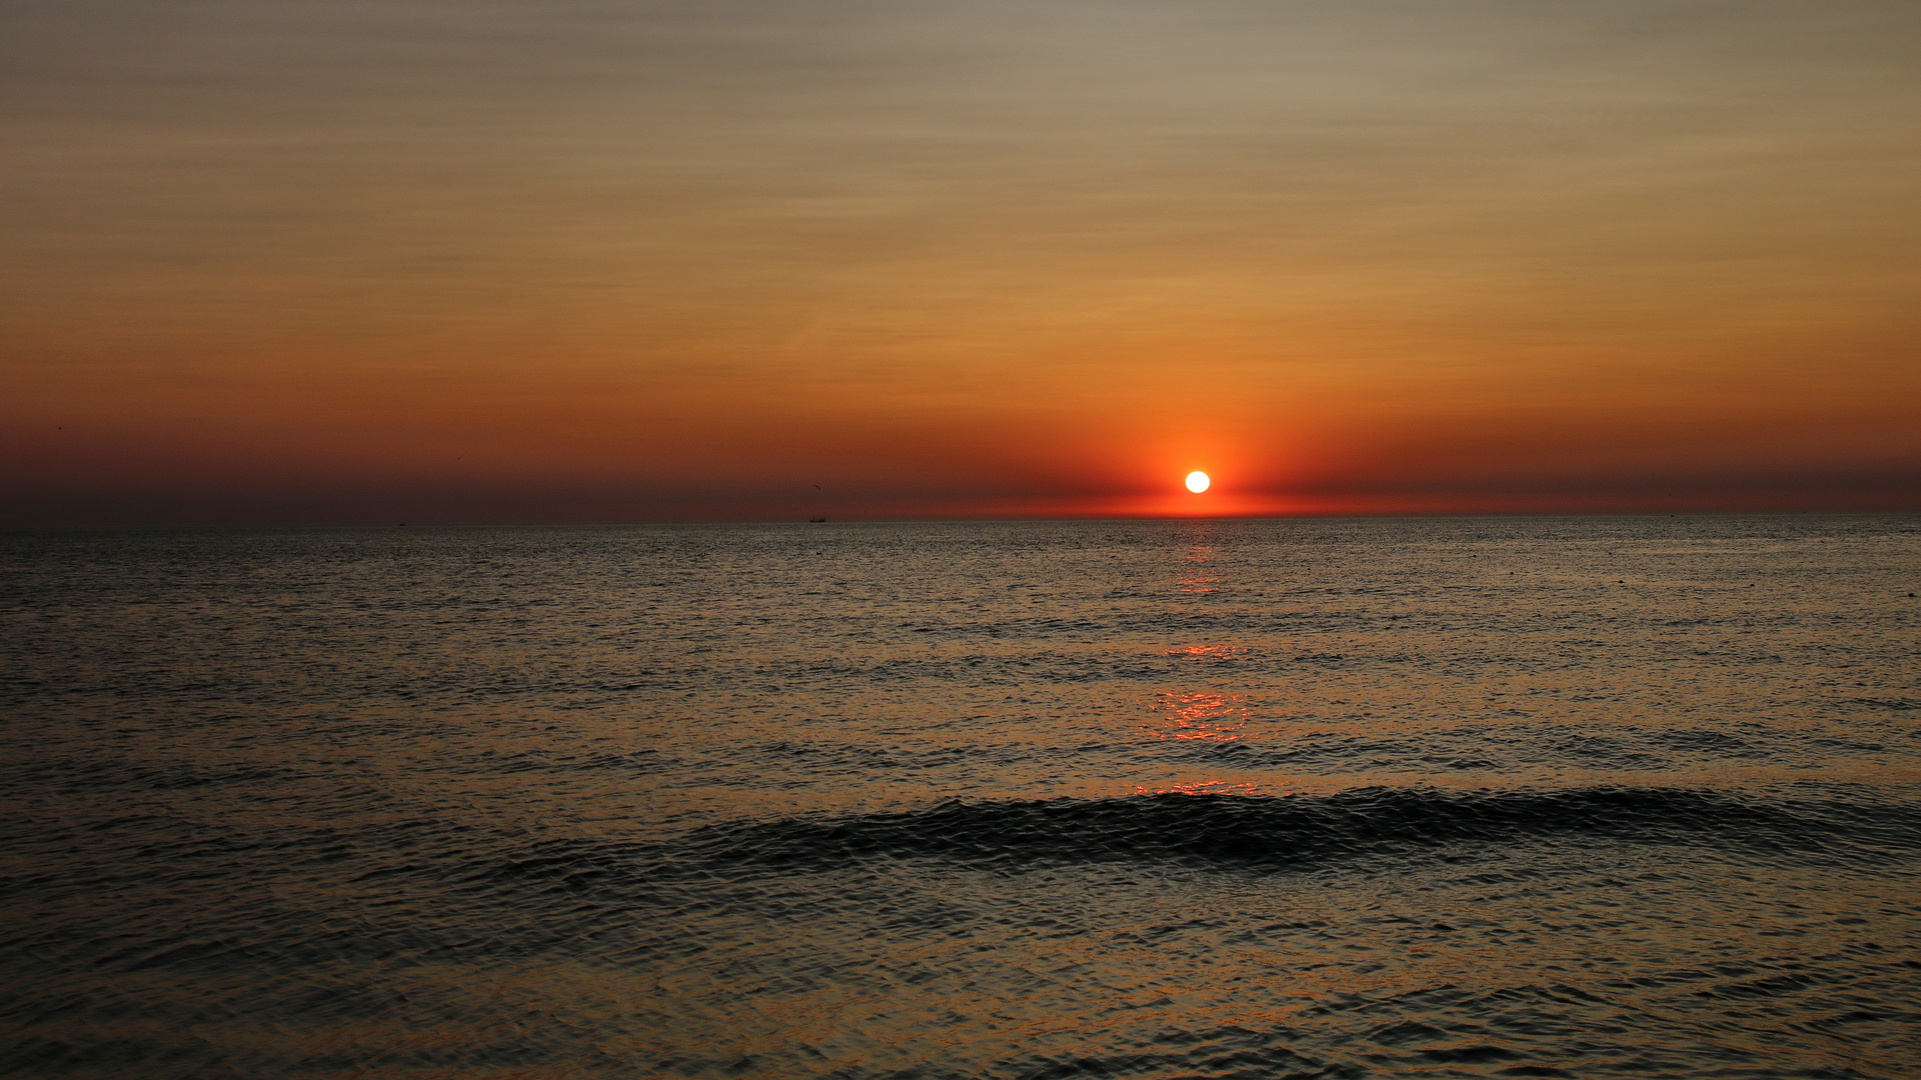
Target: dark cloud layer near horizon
x=677 y=259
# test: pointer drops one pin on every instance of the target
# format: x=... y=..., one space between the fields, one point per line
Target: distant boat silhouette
x=816 y=521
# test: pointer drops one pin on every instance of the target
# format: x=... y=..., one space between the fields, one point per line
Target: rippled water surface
x=1543 y=797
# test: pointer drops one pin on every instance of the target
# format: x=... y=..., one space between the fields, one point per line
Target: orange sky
x=489 y=261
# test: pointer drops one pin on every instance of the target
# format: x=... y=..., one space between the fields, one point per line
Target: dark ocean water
x=1628 y=797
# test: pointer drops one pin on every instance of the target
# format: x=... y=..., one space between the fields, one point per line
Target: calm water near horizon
x=1563 y=797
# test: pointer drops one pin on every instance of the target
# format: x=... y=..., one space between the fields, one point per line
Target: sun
x=1197 y=481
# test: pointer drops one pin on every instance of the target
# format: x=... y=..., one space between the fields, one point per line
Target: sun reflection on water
x=1194 y=578
x=1202 y=787
x=1210 y=652
x=1198 y=714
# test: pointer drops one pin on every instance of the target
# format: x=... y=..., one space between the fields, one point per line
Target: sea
x=1299 y=798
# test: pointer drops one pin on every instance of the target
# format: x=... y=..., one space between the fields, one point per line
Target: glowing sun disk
x=1197 y=481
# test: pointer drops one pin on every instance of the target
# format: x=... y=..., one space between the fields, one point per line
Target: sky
x=475 y=261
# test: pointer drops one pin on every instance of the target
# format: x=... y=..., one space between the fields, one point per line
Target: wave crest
x=1279 y=831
